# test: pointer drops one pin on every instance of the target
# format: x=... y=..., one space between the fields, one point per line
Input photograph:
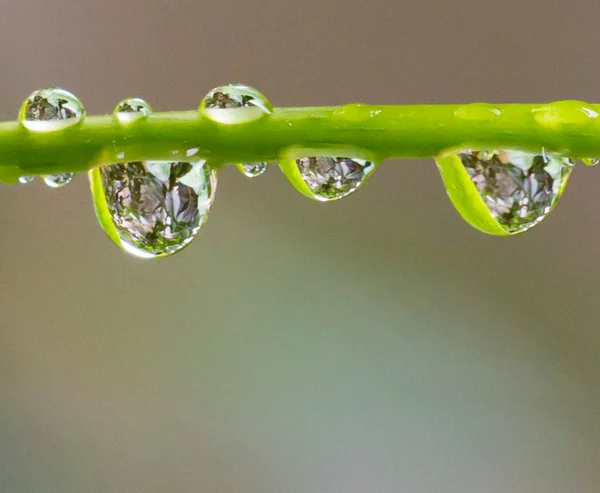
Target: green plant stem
x=571 y=128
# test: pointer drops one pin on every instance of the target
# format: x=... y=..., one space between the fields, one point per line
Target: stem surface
x=571 y=128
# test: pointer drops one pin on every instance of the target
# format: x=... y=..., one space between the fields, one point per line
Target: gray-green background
x=378 y=344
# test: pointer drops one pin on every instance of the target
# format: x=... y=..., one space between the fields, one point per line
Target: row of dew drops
x=156 y=208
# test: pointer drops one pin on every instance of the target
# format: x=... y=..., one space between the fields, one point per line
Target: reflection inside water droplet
x=155 y=208
x=331 y=178
x=518 y=188
x=60 y=180
x=235 y=103
x=252 y=170
x=132 y=109
x=48 y=110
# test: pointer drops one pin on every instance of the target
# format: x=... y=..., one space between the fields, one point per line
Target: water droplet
x=591 y=161
x=60 y=180
x=132 y=109
x=48 y=110
x=26 y=179
x=153 y=208
x=331 y=178
x=235 y=103
x=519 y=189
x=252 y=170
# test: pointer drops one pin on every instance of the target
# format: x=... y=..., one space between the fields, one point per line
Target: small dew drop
x=234 y=104
x=26 y=179
x=130 y=110
x=60 y=180
x=153 y=208
x=518 y=188
x=331 y=178
x=48 y=110
x=252 y=170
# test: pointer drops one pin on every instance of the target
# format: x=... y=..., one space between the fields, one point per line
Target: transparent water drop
x=130 y=110
x=153 y=208
x=252 y=170
x=26 y=179
x=235 y=103
x=60 y=180
x=331 y=178
x=591 y=161
x=48 y=110
x=518 y=188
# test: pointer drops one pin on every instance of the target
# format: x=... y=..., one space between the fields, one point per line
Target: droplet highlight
x=516 y=190
x=234 y=104
x=49 y=110
x=252 y=170
x=130 y=110
x=59 y=180
x=26 y=179
x=153 y=208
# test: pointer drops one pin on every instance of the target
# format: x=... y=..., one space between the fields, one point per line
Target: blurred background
x=377 y=344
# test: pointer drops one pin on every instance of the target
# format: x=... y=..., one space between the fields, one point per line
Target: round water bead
x=153 y=208
x=331 y=178
x=235 y=103
x=252 y=170
x=48 y=110
x=26 y=179
x=518 y=189
x=132 y=109
x=60 y=180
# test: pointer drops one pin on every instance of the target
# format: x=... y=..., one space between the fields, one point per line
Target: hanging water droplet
x=48 y=110
x=235 y=103
x=331 y=178
x=26 y=179
x=252 y=170
x=518 y=188
x=132 y=109
x=591 y=161
x=153 y=208
x=60 y=180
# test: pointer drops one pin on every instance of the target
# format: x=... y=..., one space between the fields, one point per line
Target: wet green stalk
x=571 y=128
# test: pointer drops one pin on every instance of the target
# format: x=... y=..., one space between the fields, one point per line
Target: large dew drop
x=518 y=189
x=48 y=110
x=153 y=208
x=331 y=178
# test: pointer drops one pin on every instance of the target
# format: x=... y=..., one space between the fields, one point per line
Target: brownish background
x=378 y=344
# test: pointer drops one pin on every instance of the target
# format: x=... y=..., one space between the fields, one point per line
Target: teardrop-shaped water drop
x=48 y=110
x=153 y=208
x=60 y=180
x=235 y=103
x=331 y=178
x=518 y=188
x=252 y=170
x=26 y=179
x=591 y=161
x=130 y=110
